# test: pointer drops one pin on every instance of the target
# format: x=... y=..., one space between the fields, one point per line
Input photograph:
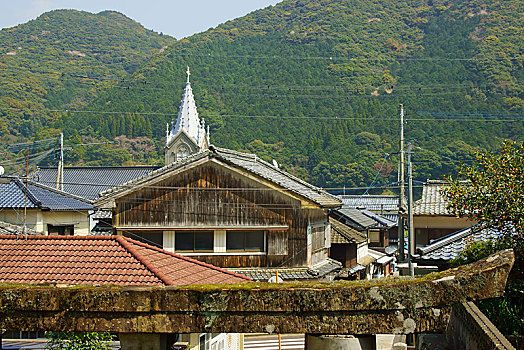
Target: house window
x=245 y=241
x=374 y=236
x=318 y=236
x=151 y=238
x=61 y=230
x=194 y=241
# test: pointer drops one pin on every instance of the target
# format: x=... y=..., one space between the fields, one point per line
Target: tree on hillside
x=491 y=191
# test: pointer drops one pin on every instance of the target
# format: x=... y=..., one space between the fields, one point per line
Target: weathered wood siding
x=211 y=195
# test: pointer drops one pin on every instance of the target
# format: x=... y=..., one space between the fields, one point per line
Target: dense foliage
x=79 y=340
x=48 y=63
x=492 y=190
x=316 y=85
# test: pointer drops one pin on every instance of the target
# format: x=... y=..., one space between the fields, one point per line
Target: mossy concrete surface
x=389 y=305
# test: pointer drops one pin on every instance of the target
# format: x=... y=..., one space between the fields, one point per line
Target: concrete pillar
x=400 y=346
x=143 y=341
x=340 y=342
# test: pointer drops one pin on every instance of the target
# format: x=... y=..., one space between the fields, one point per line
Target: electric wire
x=496 y=118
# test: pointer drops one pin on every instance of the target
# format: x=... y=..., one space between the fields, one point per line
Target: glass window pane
x=184 y=241
x=202 y=342
x=235 y=240
x=204 y=240
x=254 y=241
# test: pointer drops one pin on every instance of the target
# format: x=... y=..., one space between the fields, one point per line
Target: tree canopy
x=492 y=189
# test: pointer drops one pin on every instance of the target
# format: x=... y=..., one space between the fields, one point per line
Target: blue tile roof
x=14 y=196
x=88 y=182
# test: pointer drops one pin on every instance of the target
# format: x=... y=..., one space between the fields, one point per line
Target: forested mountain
x=44 y=64
x=316 y=85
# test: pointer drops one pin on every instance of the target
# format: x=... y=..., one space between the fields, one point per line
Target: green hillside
x=316 y=85
x=44 y=64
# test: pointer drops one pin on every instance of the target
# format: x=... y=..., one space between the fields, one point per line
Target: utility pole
x=60 y=169
x=411 y=232
x=25 y=196
x=401 y=180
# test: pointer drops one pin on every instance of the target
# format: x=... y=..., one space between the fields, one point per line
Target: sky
x=178 y=18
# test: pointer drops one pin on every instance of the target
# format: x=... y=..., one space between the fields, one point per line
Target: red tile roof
x=101 y=260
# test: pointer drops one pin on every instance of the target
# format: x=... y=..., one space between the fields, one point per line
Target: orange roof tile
x=101 y=260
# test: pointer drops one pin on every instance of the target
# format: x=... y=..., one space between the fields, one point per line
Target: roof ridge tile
x=127 y=246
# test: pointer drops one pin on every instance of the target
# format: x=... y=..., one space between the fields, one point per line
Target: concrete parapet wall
x=389 y=305
x=469 y=328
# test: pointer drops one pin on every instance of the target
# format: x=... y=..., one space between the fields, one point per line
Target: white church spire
x=189 y=124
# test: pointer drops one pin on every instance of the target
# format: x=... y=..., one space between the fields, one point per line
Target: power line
x=503 y=118
x=201 y=82
x=133 y=185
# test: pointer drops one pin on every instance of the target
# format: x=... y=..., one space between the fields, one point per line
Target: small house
x=431 y=218
x=43 y=209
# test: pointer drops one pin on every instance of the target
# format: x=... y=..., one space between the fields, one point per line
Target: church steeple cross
x=188 y=74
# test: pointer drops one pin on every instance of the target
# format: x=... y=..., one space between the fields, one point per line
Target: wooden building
x=226 y=208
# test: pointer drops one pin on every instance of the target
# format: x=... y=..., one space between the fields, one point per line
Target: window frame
x=61 y=230
x=194 y=250
x=244 y=250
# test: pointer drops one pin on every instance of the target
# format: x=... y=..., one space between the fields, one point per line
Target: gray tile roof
x=381 y=220
x=11 y=229
x=370 y=202
x=356 y=216
x=102 y=214
x=88 y=182
x=257 y=166
x=341 y=233
x=448 y=247
x=432 y=202
x=246 y=161
x=314 y=272
x=15 y=196
x=391 y=217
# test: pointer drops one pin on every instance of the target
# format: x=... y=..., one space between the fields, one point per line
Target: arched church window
x=182 y=152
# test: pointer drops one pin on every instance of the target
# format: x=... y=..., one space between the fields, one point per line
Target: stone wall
x=469 y=328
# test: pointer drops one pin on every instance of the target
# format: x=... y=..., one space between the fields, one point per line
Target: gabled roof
x=355 y=218
x=245 y=161
x=449 y=246
x=101 y=260
x=87 y=182
x=16 y=196
x=370 y=202
x=432 y=202
x=342 y=233
x=381 y=220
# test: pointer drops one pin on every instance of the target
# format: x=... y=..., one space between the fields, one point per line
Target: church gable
x=180 y=147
